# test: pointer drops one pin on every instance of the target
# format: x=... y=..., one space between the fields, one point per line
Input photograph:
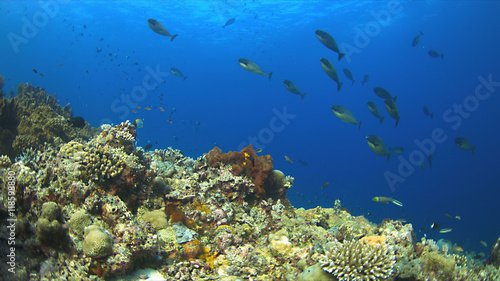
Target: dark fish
x=374 y=110
x=397 y=150
x=325 y=185
x=178 y=73
x=464 y=144
x=292 y=88
x=148 y=146
x=391 y=107
x=365 y=79
x=348 y=74
x=331 y=71
x=345 y=115
x=77 y=122
x=229 y=22
x=430 y=158
x=250 y=66
x=34 y=70
x=378 y=146
x=416 y=39
x=383 y=93
x=157 y=27
x=327 y=40
x=428 y=112
x=435 y=54
x=304 y=163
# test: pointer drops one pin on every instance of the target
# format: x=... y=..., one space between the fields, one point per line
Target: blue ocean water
x=103 y=59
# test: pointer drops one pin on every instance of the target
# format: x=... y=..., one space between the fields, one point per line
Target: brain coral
x=97 y=243
x=354 y=260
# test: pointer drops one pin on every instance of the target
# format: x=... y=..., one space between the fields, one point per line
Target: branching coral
x=355 y=260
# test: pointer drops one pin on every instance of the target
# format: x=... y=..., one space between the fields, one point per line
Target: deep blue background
x=222 y=104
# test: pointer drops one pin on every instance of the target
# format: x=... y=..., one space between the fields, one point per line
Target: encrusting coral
x=356 y=260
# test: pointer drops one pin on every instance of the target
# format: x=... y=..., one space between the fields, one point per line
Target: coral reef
x=33 y=118
x=494 y=258
x=357 y=260
x=100 y=208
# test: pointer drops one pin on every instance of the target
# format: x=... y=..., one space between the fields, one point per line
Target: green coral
x=157 y=218
x=49 y=226
x=97 y=242
x=78 y=222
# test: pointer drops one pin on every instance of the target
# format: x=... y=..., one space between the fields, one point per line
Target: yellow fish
x=288 y=159
x=484 y=243
x=386 y=200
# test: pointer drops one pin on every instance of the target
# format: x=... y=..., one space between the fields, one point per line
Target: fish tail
x=359 y=125
x=303 y=96
x=223 y=26
x=339 y=86
x=382 y=119
x=184 y=78
x=353 y=82
x=394 y=99
x=269 y=75
x=473 y=149
x=397 y=122
x=341 y=55
x=172 y=37
x=396 y=202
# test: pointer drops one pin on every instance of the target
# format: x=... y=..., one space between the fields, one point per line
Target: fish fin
x=388 y=157
x=359 y=125
x=184 y=78
x=397 y=122
x=353 y=82
x=303 y=96
x=269 y=75
x=339 y=86
x=172 y=37
x=473 y=149
x=382 y=119
x=341 y=55
x=394 y=98
x=396 y=202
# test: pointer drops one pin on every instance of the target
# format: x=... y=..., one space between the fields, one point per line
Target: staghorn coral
x=354 y=260
x=5 y=161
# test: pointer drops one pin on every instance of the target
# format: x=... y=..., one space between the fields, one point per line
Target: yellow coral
x=226 y=227
x=373 y=240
